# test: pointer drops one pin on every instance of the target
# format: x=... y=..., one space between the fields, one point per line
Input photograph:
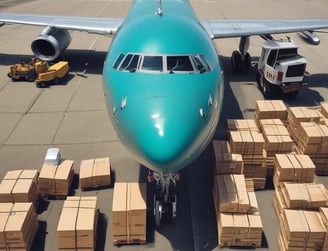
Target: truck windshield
x=287 y=53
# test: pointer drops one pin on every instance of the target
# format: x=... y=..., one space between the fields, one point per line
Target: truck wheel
x=265 y=87
x=42 y=85
x=31 y=76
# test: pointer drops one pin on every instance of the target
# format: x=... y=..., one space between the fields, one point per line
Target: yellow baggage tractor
x=39 y=71
x=54 y=73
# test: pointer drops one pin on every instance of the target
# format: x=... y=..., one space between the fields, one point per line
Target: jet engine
x=51 y=43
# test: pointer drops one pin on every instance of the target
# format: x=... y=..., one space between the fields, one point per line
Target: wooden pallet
x=84 y=189
x=129 y=242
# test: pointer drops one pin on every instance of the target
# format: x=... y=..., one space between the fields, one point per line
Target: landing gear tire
x=248 y=61
x=236 y=61
x=158 y=212
x=172 y=209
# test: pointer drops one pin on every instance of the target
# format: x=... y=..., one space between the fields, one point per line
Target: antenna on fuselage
x=159 y=11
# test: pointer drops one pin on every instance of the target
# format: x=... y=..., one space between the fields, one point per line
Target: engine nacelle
x=51 y=43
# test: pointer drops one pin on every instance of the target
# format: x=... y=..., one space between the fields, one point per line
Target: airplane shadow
x=79 y=60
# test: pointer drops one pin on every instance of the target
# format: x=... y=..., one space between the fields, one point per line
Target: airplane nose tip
x=164 y=142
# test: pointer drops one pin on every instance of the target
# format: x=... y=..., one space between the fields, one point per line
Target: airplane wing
x=239 y=28
x=103 y=26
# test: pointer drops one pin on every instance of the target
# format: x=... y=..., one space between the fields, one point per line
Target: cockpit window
x=130 y=63
x=162 y=63
x=179 y=63
x=152 y=63
x=200 y=63
x=118 y=61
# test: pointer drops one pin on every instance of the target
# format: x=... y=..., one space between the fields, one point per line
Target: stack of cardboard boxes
x=95 y=173
x=77 y=226
x=225 y=161
x=250 y=145
x=276 y=135
x=231 y=194
x=270 y=109
x=20 y=186
x=297 y=202
x=309 y=196
x=56 y=180
x=271 y=118
x=309 y=129
x=324 y=217
x=129 y=213
x=18 y=226
x=313 y=140
x=238 y=218
x=277 y=140
x=301 y=230
x=293 y=168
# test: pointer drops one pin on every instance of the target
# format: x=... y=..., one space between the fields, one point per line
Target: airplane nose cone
x=164 y=142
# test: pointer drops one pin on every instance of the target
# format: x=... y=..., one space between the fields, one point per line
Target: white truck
x=280 y=69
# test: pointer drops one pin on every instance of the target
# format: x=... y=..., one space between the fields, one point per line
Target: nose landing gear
x=165 y=199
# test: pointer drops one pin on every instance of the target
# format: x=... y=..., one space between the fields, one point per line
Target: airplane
x=162 y=78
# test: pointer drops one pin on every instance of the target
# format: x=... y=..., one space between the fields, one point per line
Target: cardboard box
x=129 y=213
x=276 y=135
x=46 y=179
x=66 y=228
x=77 y=226
x=102 y=172
x=243 y=230
x=56 y=180
x=232 y=196
x=293 y=168
x=18 y=225
x=119 y=209
x=137 y=208
x=86 y=171
x=324 y=217
x=20 y=186
x=270 y=109
x=309 y=196
x=226 y=162
x=301 y=229
x=95 y=173
x=246 y=142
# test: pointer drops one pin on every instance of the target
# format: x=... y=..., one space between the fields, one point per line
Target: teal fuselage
x=164 y=117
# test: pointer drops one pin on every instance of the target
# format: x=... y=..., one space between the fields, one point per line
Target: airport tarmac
x=72 y=116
